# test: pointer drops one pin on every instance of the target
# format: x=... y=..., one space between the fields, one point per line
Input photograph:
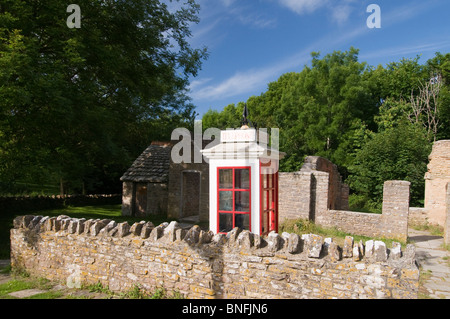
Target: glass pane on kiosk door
x=242 y=201
x=226 y=201
x=225 y=222
x=242 y=178
x=225 y=179
x=242 y=221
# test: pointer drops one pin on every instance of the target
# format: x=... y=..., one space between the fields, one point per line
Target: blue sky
x=253 y=42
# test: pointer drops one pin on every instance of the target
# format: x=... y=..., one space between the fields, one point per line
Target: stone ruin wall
x=316 y=187
x=199 y=264
x=317 y=193
x=436 y=180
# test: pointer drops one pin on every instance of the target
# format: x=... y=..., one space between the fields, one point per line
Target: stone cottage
x=155 y=185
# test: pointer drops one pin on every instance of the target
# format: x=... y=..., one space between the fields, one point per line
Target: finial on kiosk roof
x=244 y=122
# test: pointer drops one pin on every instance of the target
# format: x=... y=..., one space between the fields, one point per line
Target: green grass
x=113 y=212
x=13 y=286
x=303 y=226
x=33 y=189
x=22 y=283
x=434 y=229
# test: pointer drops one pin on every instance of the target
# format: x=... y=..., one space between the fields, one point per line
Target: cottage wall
x=178 y=192
x=127 y=198
x=200 y=265
x=157 y=198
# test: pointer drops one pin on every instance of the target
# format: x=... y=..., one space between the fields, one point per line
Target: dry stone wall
x=199 y=264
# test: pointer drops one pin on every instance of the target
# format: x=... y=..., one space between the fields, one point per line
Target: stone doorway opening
x=190 y=195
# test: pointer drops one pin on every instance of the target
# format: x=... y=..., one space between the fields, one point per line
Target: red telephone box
x=243 y=177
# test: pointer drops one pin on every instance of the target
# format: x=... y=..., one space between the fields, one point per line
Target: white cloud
x=339 y=10
x=303 y=6
x=198 y=83
x=239 y=83
x=249 y=80
x=341 y=13
x=227 y=3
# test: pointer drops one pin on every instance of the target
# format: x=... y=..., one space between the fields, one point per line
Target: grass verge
x=304 y=226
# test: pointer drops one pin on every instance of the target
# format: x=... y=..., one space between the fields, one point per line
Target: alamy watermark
x=188 y=149
x=374 y=19
x=73 y=20
x=74 y=278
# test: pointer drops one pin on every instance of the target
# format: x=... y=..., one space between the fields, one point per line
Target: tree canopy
x=79 y=104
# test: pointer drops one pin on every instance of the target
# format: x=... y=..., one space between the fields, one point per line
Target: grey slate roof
x=152 y=166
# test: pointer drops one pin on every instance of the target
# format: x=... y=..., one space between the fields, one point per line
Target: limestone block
x=380 y=251
x=136 y=228
x=105 y=230
x=233 y=235
x=205 y=237
x=123 y=229
x=156 y=233
x=313 y=245
x=50 y=224
x=334 y=251
x=80 y=226
x=22 y=221
x=193 y=235
x=369 y=248
x=34 y=222
x=245 y=239
x=219 y=239
x=146 y=230
x=170 y=231
x=274 y=241
x=396 y=251
x=73 y=224
x=294 y=243
x=87 y=226
x=347 y=252
x=409 y=258
x=180 y=234
x=97 y=226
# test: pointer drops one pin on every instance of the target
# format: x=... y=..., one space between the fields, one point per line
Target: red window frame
x=233 y=212
x=268 y=207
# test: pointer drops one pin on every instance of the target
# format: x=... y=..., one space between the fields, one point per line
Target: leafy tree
x=230 y=117
x=439 y=66
x=79 y=104
x=319 y=109
x=397 y=153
